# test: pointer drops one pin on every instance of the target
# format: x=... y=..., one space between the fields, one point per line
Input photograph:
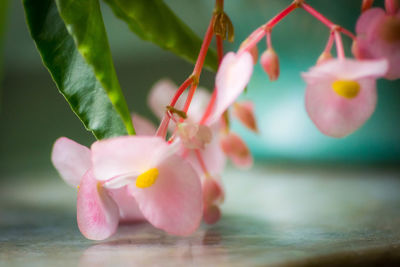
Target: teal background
x=33 y=114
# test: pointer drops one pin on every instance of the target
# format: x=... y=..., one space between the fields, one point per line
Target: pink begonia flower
x=378 y=36
x=244 y=111
x=98 y=210
x=341 y=94
x=232 y=77
x=166 y=187
x=236 y=149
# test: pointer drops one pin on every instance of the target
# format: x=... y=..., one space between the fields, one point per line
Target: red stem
x=210 y=106
x=326 y=21
x=269 y=43
x=203 y=50
x=339 y=45
x=189 y=97
x=259 y=33
x=329 y=44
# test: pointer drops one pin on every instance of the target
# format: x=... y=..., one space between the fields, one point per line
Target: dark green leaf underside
x=75 y=79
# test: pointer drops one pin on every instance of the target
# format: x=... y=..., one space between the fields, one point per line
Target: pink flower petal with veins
x=71 y=160
x=236 y=149
x=333 y=114
x=97 y=213
x=233 y=76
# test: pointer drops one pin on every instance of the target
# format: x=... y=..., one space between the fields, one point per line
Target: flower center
x=147 y=179
x=347 y=88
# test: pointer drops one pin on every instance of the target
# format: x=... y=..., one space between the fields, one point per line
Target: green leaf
x=85 y=24
x=74 y=77
x=154 y=21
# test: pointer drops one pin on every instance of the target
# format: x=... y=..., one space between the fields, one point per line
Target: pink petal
x=71 y=160
x=347 y=69
x=160 y=96
x=174 y=202
x=378 y=37
x=368 y=20
x=244 y=111
x=236 y=149
x=97 y=213
x=128 y=208
x=142 y=125
x=233 y=76
x=126 y=155
x=335 y=115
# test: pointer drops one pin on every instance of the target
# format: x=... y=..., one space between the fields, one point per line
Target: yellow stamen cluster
x=147 y=179
x=347 y=88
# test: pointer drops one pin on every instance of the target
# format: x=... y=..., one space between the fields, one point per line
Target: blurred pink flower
x=378 y=36
x=341 y=94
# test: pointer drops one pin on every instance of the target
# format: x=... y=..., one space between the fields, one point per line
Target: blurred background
x=33 y=114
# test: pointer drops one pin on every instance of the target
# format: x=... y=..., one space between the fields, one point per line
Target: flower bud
x=236 y=149
x=253 y=51
x=244 y=111
x=324 y=57
x=366 y=4
x=270 y=63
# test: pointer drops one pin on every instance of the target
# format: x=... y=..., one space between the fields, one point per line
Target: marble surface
x=273 y=215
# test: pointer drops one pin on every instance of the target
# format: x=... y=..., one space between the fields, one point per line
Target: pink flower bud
x=325 y=56
x=270 y=63
x=236 y=149
x=244 y=111
x=366 y=4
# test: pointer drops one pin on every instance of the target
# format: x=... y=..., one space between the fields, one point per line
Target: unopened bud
x=270 y=63
x=325 y=56
x=253 y=51
x=366 y=4
x=244 y=111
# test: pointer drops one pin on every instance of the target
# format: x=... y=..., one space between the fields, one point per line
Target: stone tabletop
x=273 y=215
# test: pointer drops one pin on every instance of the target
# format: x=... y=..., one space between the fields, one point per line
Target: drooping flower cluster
x=171 y=176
